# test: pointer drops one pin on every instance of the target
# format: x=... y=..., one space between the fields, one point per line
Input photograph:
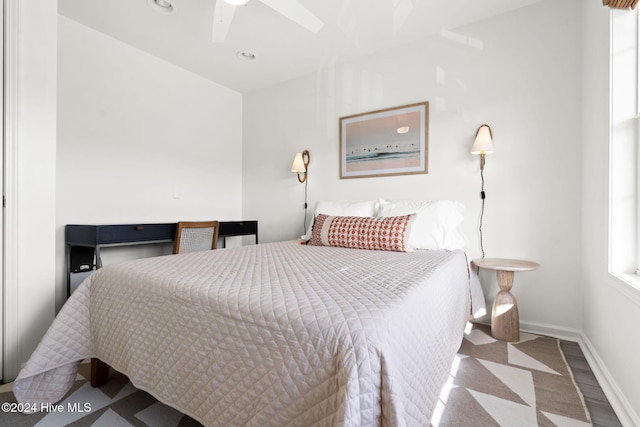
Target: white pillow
x=362 y=209
x=436 y=223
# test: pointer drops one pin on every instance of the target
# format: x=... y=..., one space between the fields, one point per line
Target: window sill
x=628 y=284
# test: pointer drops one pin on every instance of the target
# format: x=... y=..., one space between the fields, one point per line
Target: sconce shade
x=483 y=143
x=300 y=165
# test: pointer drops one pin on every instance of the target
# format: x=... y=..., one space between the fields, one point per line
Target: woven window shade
x=621 y=4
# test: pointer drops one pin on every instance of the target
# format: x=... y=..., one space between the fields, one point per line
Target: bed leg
x=99 y=372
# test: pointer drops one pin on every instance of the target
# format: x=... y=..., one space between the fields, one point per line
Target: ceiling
x=283 y=49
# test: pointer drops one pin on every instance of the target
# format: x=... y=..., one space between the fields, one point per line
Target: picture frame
x=393 y=141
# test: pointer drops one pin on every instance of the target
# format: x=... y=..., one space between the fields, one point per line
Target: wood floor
x=602 y=414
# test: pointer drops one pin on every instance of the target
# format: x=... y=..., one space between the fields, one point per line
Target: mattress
x=276 y=334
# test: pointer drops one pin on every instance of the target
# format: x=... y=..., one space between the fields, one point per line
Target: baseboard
x=623 y=409
x=567 y=334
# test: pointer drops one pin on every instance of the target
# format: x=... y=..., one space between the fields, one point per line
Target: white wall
x=611 y=307
x=140 y=140
x=523 y=80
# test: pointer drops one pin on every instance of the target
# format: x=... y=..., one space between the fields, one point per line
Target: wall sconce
x=300 y=165
x=483 y=143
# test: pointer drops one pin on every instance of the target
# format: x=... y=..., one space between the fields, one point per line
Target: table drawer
x=136 y=233
x=238 y=228
x=121 y=233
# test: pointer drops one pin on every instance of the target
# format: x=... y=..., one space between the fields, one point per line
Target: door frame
x=9 y=255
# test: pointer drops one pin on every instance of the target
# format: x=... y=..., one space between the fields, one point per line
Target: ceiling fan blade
x=222 y=17
x=296 y=12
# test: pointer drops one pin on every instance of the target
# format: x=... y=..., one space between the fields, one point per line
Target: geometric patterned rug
x=495 y=383
x=492 y=383
x=115 y=404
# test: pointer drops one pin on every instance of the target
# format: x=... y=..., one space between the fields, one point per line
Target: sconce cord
x=482 y=196
x=304 y=224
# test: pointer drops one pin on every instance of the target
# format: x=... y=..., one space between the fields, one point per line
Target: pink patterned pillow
x=382 y=234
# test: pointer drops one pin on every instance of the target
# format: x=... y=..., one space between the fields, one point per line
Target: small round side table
x=505 y=322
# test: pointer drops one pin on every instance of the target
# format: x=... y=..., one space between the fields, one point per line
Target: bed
x=276 y=334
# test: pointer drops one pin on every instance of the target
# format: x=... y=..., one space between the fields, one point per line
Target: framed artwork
x=393 y=141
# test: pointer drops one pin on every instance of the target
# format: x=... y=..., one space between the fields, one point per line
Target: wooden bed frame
x=99 y=372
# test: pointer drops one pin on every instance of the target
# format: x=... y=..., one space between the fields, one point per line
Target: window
x=624 y=231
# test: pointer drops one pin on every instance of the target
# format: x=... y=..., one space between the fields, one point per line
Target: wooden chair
x=192 y=236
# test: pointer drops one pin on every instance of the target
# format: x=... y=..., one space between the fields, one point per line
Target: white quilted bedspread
x=277 y=334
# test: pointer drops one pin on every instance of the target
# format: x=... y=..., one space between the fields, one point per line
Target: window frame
x=624 y=148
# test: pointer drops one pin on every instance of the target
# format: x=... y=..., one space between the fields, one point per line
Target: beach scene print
x=388 y=156
x=388 y=142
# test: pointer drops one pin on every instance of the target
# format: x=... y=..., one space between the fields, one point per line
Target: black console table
x=84 y=241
